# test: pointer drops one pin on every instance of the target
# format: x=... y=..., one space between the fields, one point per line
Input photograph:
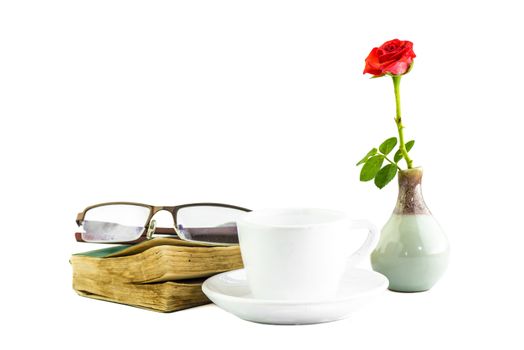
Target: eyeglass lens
x=213 y=224
x=114 y=223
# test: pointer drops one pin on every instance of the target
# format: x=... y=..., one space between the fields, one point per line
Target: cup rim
x=248 y=218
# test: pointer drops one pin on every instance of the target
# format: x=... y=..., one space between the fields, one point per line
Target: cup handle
x=369 y=244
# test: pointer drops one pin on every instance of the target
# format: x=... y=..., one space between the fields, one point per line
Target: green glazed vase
x=413 y=250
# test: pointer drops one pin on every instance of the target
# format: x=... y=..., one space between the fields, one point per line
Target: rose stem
x=398 y=121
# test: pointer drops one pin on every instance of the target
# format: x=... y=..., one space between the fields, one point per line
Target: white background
x=259 y=104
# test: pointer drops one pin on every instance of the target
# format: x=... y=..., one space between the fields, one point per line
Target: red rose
x=393 y=57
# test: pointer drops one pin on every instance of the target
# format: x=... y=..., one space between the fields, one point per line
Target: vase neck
x=410 y=200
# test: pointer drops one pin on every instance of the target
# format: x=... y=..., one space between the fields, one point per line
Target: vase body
x=413 y=250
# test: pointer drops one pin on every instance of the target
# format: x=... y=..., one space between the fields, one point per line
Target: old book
x=162 y=274
x=162 y=297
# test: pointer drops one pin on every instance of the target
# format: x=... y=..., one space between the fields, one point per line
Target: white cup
x=299 y=254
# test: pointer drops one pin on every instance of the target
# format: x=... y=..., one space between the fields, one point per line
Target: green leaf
x=371 y=167
x=370 y=153
x=409 y=145
x=385 y=175
x=388 y=145
x=398 y=156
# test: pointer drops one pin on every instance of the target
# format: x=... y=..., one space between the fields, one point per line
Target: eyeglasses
x=127 y=222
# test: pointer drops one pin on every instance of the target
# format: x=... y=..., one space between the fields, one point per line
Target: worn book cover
x=162 y=274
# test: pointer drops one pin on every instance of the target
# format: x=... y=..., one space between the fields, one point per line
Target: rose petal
x=395 y=43
x=372 y=63
x=396 y=68
x=401 y=51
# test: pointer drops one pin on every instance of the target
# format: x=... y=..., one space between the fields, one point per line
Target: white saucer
x=230 y=291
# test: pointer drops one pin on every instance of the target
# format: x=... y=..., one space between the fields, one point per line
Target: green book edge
x=102 y=253
x=124 y=250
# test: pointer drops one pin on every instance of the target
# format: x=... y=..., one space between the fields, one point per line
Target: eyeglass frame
x=149 y=228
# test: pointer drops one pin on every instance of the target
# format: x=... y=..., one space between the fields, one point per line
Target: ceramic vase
x=413 y=250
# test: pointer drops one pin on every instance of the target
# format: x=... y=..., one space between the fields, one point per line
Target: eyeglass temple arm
x=79 y=218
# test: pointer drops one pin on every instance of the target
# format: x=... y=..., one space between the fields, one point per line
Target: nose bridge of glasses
x=163 y=228
x=169 y=209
